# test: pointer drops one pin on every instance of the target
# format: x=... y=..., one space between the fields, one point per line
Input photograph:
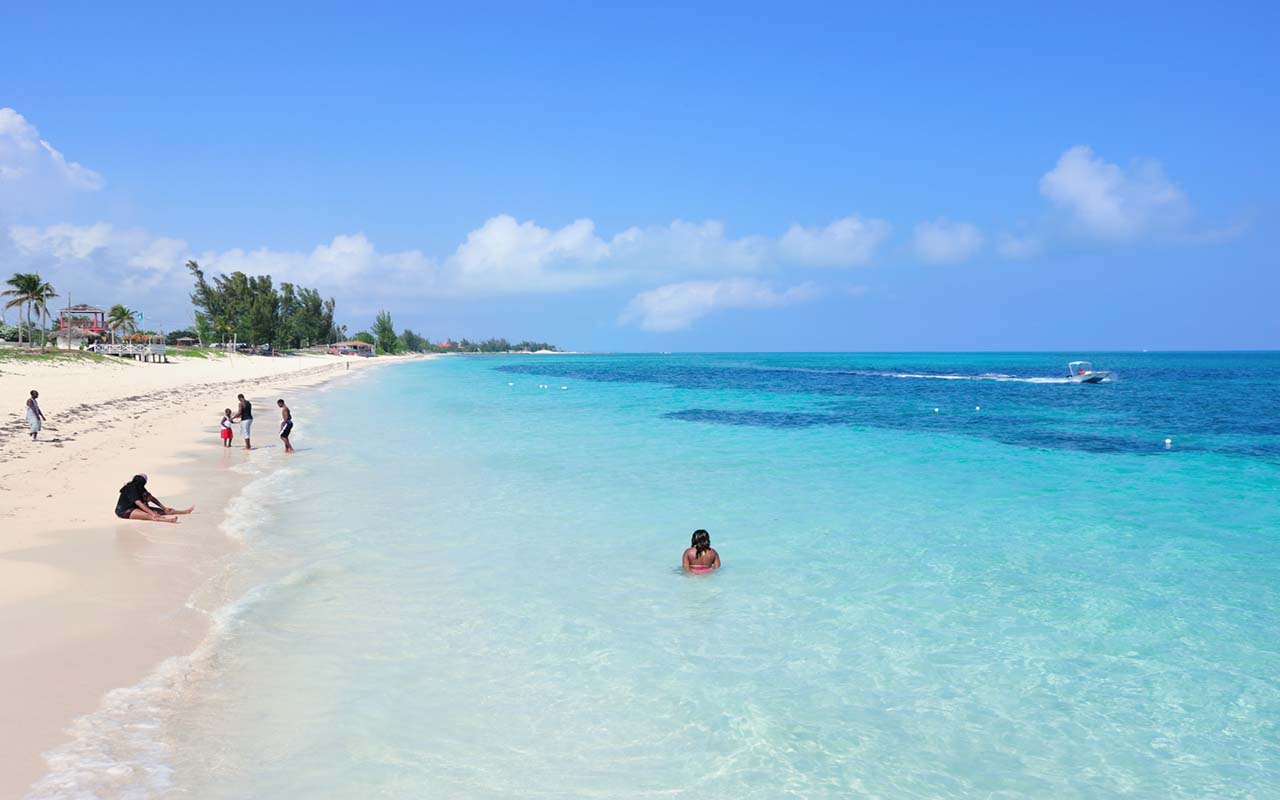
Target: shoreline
x=89 y=603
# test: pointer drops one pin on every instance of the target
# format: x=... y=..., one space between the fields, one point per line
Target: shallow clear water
x=466 y=586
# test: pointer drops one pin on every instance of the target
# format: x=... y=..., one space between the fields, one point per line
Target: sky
x=664 y=177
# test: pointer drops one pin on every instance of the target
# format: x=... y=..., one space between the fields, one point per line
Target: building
x=79 y=324
x=352 y=348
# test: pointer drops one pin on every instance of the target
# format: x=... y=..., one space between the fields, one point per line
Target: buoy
x=977 y=408
x=562 y=388
x=1168 y=443
x=509 y=383
x=935 y=411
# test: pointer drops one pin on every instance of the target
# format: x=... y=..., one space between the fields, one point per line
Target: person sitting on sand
x=35 y=417
x=700 y=557
x=137 y=503
x=226 y=427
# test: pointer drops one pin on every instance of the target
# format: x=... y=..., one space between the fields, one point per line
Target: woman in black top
x=137 y=503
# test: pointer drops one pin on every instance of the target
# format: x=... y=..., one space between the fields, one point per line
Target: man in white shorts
x=245 y=415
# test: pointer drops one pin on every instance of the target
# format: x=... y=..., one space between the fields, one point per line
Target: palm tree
x=43 y=294
x=119 y=317
x=26 y=286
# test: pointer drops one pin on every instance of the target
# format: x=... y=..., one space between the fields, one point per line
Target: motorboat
x=1083 y=372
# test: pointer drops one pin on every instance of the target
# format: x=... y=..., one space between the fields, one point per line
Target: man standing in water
x=244 y=414
x=35 y=417
x=286 y=425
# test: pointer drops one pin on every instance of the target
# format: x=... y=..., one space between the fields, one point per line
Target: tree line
x=383 y=336
x=250 y=309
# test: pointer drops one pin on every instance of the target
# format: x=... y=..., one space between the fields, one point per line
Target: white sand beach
x=89 y=602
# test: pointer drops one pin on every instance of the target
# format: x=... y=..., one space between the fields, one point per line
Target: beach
x=89 y=602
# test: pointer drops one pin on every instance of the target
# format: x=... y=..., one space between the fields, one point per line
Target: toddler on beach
x=226 y=428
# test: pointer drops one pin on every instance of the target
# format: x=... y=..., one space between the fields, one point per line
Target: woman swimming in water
x=700 y=557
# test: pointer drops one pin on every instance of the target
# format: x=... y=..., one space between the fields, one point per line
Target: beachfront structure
x=79 y=324
x=140 y=347
x=352 y=348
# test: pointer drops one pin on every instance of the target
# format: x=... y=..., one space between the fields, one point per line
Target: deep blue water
x=1218 y=402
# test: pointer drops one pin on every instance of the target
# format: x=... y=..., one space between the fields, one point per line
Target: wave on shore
x=123 y=749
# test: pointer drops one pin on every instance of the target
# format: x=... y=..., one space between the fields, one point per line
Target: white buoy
x=977 y=408
x=562 y=388
x=1168 y=443
x=935 y=411
x=509 y=383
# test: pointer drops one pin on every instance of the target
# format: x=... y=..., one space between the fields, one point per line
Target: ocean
x=945 y=575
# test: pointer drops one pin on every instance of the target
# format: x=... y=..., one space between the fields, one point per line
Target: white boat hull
x=1090 y=377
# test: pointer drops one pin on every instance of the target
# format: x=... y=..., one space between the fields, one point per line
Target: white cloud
x=63 y=241
x=1019 y=247
x=347 y=261
x=506 y=255
x=846 y=242
x=1108 y=202
x=676 y=306
x=687 y=247
x=32 y=171
x=943 y=240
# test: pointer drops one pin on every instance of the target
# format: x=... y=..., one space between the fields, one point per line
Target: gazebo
x=78 y=324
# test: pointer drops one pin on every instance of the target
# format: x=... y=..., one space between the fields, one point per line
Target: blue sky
x=793 y=177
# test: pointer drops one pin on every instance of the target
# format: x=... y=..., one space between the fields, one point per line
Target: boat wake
x=935 y=376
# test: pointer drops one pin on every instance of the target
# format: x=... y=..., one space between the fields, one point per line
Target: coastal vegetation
x=384 y=337
x=30 y=293
x=122 y=319
x=250 y=309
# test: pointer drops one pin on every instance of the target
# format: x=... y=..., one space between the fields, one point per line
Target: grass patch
x=196 y=352
x=76 y=356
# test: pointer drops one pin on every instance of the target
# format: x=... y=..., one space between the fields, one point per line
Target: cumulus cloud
x=1019 y=247
x=32 y=171
x=688 y=247
x=676 y=306
x=346 y=261
x=1112 y=203
x=846 y=242
x=506 y=255
x=943 y=240
x=133 y=255
x=101 y=245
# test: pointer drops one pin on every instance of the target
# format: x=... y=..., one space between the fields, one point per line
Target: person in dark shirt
x=137 y=503
x=245 y=416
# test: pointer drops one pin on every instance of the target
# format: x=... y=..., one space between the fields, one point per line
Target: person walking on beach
x=137 y=503
x=244 y=414
x=700 y=557
x=286 y=425
x=226 y=428
x=35 y=417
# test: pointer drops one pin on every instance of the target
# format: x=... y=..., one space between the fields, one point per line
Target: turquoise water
x=466 y=586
